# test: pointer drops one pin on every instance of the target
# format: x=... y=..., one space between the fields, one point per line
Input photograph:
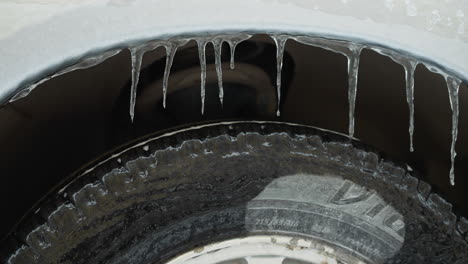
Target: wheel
x=245 y=192
x=358 y=207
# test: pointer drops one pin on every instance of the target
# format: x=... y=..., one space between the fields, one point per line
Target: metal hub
x=262 y=250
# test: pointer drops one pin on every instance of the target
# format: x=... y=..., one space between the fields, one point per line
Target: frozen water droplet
x=411 y=9
x=353 y=68
x=146 y=148
x=453 y=85
x=408 y=168
x=202 y=56
x=280 y=41
x=409 y=67
x=433 y=19
x=461 y=28
x=389 y=4
x=137 y=55
x=233 y=41
x=217 y=44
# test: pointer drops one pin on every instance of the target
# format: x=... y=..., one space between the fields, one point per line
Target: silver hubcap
x=261 y=250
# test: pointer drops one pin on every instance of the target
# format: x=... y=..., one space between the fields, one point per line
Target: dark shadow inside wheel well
x=78 y=116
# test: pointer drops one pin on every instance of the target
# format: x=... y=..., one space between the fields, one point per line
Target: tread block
x=391 y=172
x=118 y=181
x=462 y=227
x=24 y=255
x=65 y=219
x=91 y=200
x=442 y=208
x=424 y=189
x=409 y=183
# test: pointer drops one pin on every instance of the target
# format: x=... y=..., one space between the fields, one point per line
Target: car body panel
x=37 y=37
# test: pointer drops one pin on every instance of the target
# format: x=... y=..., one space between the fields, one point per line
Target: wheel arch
x=48 y=35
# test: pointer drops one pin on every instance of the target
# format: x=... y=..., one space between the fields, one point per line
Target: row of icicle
x=171 y=48
x=350 y=50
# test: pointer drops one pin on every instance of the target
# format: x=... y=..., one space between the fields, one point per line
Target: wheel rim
x=275 y=249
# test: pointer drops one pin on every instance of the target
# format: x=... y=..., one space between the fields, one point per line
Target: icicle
x=453 y=86
x=280 y=41
x=170 y=53
x=137 y=55
x=409 y=67
x=233 y=41
x=201 y=53
x=233 y=51
x=83 y=64
x=217 y=44
x=352 y=52
x=353 y=68
x=409 y=77
x=171 y=49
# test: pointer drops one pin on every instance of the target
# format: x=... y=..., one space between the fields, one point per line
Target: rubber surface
x=181 y=190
